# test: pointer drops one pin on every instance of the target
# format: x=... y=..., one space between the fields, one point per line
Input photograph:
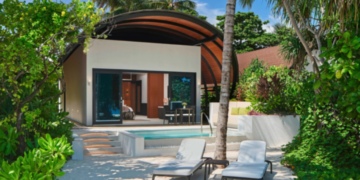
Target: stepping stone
x=94 y=134
x=100 y=153
x=97 y=146
x=96 y=140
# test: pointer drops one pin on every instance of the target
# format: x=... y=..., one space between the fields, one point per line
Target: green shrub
x=327 y=146
x=43 y=163
x=275 y=90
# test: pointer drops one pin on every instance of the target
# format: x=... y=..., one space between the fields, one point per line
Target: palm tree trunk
x=221 y=130
x=297 y=30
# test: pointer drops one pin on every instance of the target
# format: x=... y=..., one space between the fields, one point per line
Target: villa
x=151 y=59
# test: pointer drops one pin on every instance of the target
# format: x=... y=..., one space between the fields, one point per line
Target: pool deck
x=125 y=167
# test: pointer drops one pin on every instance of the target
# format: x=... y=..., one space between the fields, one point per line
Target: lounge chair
x=187 y=161
x=251 y=163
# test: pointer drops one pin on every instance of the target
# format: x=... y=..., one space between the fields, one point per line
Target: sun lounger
x=187 y=161
x=251 y=163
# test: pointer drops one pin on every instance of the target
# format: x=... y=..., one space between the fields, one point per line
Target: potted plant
x=184 y=104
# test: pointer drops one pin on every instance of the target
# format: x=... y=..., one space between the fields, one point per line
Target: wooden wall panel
x=155 y=88
x=126 y=87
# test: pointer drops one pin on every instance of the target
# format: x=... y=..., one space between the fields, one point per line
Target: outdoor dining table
x=191 y=112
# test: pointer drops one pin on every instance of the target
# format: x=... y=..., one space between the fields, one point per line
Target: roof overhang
x=172 y=27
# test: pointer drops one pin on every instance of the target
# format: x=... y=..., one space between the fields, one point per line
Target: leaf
x=346 y=35
x=358 y=109
x=349 y=109
x=349 y=55
x=317 y=84
x=338 y=74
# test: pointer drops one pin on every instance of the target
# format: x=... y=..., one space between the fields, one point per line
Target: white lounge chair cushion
x=245 y=170
x=191 y=149
x=252 y=152
x=178 y=167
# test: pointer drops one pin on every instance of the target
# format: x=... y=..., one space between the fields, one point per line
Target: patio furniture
x=213 y=162
x=175 y=104
x=166 y=114
x=187 y=161
x=251 y=163
x=183 y=112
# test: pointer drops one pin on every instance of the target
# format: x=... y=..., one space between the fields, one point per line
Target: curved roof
x=173 y=27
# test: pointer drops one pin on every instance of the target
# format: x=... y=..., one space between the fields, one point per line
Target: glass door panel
x=181 y=89
x=108 y=98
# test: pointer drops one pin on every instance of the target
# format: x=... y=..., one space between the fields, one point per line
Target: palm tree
x=121 y=6
x=180 y=5
x=221 y=129
x=284 y=6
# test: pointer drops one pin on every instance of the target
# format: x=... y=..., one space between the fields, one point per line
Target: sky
x=213 y=8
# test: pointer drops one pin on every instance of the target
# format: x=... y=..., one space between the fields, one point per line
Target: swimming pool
x=178 y=133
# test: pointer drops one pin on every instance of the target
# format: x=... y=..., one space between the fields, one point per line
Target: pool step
x=112 y=143
x=93 y=134
x=101 y=138
x=96 y=140
x=99 y=153
x=103 y=150
x=97 y=146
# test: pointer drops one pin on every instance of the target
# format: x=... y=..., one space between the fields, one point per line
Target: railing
x=202 y=113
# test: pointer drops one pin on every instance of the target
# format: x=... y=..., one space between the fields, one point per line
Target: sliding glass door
x=107 y=97
x=181 y=89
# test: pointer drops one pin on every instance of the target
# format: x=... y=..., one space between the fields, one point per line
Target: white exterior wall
x=125 y=55
x=143 y=79
x=75 y=81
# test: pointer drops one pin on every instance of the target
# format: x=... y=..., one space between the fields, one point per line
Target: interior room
x=147 y=98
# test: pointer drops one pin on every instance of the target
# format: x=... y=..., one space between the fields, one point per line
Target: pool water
x=178 y=133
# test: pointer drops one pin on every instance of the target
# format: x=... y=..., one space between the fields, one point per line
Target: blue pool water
x=176 y=133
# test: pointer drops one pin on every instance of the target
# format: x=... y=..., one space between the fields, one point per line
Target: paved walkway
x=125 y=167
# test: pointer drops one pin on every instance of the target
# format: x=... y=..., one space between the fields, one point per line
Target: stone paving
x=124 y=167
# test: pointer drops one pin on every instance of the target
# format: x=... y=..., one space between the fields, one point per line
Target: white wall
x=110 y=54
x=273 y=129
x=166 y=84
x=75 y=81
x=143 y=78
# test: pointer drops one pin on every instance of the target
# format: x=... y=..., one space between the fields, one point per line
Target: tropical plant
x=221 y=129
x=121 y=6
x=8 y=140
x=249 y=34
x=180 y=5
x=35 y=36
x=43 y=163
x=293 y=52
x=280 y=91
x=248 y=79
x=194 y=13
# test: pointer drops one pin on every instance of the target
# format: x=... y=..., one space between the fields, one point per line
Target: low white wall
x=232 y=119
x=274 y=130
x=132 y=144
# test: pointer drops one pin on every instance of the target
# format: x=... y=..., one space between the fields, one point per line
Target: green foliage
x=194 y=13
x=43 y=163
x=33 y=37
x=327 y=146
x=249 y=78
x=340 y=75
x=181 y=89
x=8 y=140
x=281 y=91
x=249 y=34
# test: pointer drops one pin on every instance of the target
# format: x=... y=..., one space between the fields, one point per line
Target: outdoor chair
x=188 y=159
x=251 y=163
x=166 y=114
